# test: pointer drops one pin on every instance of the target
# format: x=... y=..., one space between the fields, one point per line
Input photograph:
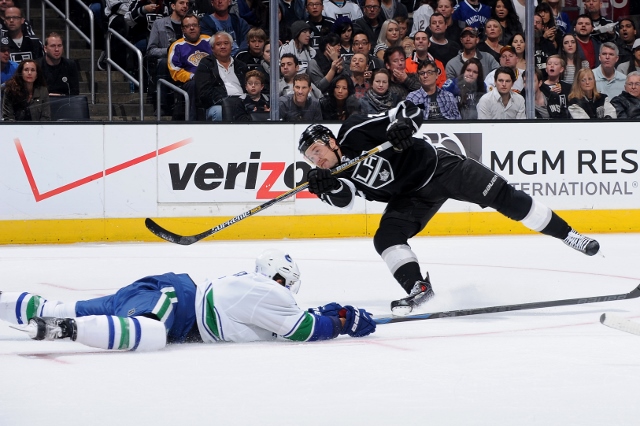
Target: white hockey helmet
x=275 y=264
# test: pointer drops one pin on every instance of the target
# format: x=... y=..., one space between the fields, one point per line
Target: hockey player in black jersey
x=415 y=179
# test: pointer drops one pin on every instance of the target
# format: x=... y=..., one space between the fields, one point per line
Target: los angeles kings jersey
x=386 y=174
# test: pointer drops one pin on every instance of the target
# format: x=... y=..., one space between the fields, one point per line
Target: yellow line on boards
x=302 y=226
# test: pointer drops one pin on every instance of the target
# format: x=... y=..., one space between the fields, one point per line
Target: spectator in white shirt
x=502 y=103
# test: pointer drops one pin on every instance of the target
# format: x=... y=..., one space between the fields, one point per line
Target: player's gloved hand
x=358 y=322
x=321 y=181
x=330 y=309
x=400 y=133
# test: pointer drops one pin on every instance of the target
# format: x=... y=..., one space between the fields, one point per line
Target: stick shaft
x=507 y=308
x=190 y=239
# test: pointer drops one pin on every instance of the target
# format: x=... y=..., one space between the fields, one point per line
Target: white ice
x=554 y=366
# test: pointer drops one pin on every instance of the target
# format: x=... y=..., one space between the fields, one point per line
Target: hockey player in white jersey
x=170 y=308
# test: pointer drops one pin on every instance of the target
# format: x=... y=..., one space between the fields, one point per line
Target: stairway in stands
x=125 y=105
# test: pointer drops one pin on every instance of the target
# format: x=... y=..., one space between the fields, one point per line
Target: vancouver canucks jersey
x=247 y=307
x=389 y=173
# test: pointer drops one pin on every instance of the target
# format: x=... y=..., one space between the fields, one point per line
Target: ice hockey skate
x=420 y=294
x=583 y=244
x=50 y=328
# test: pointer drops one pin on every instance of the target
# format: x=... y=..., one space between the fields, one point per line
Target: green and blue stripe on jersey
x=311 y=327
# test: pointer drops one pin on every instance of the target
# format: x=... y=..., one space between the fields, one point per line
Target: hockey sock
x=403 y=264
x=542 y=219
x=19 y=308
x=519 y=206
x=118 y=333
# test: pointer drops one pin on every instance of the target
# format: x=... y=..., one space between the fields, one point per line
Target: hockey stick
x=506 y=308
x=190 y=239
x=619 y=323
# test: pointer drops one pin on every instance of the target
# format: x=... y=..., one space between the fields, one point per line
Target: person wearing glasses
x=320 y=24
x=183 y=58
x=627 y=103
x=436 y=104
x=21 y=46
x=585 y=101
x=371 y=22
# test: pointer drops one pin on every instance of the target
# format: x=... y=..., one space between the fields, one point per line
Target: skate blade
x=23 y=328
x=401 y=311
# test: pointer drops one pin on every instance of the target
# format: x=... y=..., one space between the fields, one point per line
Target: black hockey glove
x=400 y=133
x=358 y=322
x=321 y=181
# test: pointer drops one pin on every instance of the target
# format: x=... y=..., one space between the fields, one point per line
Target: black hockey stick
x=190 y=239
x=506 y=308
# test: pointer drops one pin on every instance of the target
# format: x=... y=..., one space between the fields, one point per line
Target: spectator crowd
x=457 y=60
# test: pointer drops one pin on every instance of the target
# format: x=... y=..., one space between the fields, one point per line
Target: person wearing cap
x=472 y=13
x=509 y=59
x=502 y=103
x=469 y=40
x=627 y=103
x=222 y=20
x=608 y=80
x=300 y=45
x=632 y=64
x=7 y=66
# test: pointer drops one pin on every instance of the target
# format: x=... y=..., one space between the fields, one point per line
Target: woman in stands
x=26 y=97
x=504 y=13
x=377 y=98
x=468 y=88
x=517 y=42
x=340 y=101
x=344 y=28
x=572 y=58
x=585 y=102
x=389 y=36
x=491 y=43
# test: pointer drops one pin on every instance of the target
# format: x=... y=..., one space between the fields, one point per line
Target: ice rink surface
x=555 y=366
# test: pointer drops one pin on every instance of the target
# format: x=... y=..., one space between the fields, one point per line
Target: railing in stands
x=66 y=16
x=110 y=63
x=176 y=89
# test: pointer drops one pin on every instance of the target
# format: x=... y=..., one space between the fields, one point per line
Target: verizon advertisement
x=95 y=171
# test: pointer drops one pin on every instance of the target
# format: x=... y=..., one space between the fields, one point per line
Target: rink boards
x=97 y=182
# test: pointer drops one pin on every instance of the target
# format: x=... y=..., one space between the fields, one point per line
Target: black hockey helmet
x=312 y=134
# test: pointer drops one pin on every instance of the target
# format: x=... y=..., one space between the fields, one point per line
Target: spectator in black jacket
x=60 y=73
x=219 y=77
x=627 y=103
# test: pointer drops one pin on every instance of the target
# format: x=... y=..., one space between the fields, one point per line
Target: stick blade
x=173 y=237
x=619 y=323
